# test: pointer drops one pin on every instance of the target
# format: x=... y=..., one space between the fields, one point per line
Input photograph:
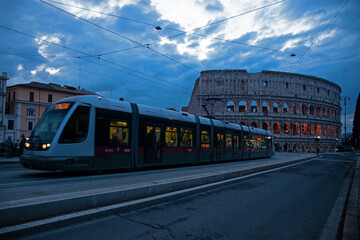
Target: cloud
x=43 y=42
x=109 y=7
x=20 y=67
x=42 y=67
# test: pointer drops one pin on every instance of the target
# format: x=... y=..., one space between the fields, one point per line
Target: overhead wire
x=82 y=53
x=119 y=35
x=317 y=37
x=181 y=31
x=172 y=91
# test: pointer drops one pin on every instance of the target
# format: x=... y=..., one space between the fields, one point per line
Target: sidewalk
x=9 y=160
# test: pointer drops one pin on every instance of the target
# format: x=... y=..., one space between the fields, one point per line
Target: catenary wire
x=119 y=35
x=181 y=31
x=170 y=92
x=88 y=55
x=316 y=38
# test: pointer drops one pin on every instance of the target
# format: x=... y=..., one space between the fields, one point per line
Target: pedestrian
x=9 y=147
x=22 y=144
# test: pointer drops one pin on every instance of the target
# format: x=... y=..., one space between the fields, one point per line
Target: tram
x=87 y=133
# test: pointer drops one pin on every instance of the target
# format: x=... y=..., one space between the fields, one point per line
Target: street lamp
x=317 y=139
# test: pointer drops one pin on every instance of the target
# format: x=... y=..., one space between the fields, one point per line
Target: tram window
x=220 y=139
x=236 y=142
x=186 y=138
x=119 y=134
x=246 y=141
x=171 y=137
x=205 y=139
x=77 y=127
x=228 y=140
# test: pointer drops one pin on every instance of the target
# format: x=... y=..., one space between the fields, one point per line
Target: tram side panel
x=112 y=139
x=164 y=142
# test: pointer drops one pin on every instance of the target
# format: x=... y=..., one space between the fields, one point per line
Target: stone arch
x=324 y=131
x=304 y=109
x=318 y=111
x=304 y=148
x=285 y=107
x=296 y=129
x=296 y=147
x=286 y=128
x=312 y=148
x=254 y=124
x=324 y=148
x=312 y=129
x=277 y=147
x=230 y=106
x=266 y=126
x=318 y=129
x=254 y=106
x=312 y=110
x=296 y=108
x=323 y=112
x=304 y=129
x=277 y=128
x=286 y=147
x=242 y=106
x=265 y=107
x=275 y=107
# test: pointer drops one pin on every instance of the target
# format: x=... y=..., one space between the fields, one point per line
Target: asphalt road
x=290 y=203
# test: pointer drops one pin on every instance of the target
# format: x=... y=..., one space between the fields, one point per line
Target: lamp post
x=317 y=139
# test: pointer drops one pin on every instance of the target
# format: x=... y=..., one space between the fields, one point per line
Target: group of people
x=10 y=146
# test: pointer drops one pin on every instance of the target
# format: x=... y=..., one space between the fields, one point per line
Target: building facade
x=296 y=108
x=3 y=79
x=26 y=103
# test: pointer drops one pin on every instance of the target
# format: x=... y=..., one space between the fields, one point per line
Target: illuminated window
x=119 y=134
x=171 y=137
x=312 y=129
x=205 y=139
x=304 y=130
x=318 y=130
x=186 y=138
x=277 y=128
x=228 y=140
x=30 y=111
x=287 y=128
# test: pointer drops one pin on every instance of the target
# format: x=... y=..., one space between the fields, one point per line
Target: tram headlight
x=27 y=145
x=45 y=146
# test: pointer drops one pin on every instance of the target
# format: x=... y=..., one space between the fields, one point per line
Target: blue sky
x=121 y=54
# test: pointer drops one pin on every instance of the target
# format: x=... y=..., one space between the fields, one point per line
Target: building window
x=266 y=83
x=10 y=125
x=30 y=125
x=286 y=85
x=242 y=106
x=31 y=98
x=50 y=98
x=14 y=96
x=318 y=90
x=230 y=106
x=304 y=87
x=31 y=111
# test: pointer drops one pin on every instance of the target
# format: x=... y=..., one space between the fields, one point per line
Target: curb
x=27 y=210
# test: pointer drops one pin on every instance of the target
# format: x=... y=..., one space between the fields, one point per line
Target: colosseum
x=296 y=108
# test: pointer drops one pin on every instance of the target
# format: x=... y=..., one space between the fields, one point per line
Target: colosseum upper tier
x=296 y=108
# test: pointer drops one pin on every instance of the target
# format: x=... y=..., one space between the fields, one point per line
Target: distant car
x=345 y=149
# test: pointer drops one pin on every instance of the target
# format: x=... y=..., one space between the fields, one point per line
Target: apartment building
x=26 y=103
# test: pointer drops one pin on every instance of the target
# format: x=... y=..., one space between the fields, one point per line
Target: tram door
x=152 y=145
x=220 y=146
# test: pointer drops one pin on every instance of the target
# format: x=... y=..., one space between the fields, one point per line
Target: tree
x=356 y=125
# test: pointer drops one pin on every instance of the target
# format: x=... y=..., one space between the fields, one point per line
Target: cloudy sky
x=112 y=47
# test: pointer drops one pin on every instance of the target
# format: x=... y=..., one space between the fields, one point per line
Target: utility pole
x=344 y=98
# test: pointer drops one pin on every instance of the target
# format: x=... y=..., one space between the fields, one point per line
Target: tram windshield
x=49 y=124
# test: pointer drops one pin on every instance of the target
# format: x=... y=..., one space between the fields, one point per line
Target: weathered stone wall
x=295 y=107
